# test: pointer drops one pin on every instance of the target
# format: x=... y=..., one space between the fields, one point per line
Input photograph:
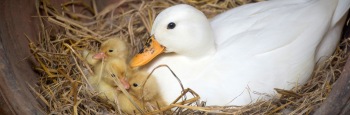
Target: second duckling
x=145 y=93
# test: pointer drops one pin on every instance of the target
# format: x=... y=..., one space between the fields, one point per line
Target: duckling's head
x=143 y=88
x=112 y=48
x=181 y=29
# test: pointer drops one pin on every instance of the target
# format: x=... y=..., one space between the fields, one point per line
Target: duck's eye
x=135 y=84
x=110 y=50
x=171 y=25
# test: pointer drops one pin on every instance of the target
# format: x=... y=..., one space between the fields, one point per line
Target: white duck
x=244 y=52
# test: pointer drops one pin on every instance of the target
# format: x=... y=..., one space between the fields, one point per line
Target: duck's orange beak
x=99 y=56
x=150 y=50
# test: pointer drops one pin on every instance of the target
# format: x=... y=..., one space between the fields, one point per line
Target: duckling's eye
x=135 y=84
x=110 y=50
x=171 y=25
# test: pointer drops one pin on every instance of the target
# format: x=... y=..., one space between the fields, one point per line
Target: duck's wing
x=270 y=47
x=275 y=25
x=245 y=18
x=329 y=42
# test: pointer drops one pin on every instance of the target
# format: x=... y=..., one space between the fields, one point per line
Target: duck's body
x=256 y=48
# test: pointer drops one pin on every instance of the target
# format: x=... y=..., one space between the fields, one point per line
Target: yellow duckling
x=145 y=93
x=111 y=59
x=107 y=91
x=109 y=64
x=88 y=56
x=113 y=54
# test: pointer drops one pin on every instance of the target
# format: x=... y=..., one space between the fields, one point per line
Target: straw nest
x=68 y=29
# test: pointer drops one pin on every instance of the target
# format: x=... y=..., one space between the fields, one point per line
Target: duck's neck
x=206 y=47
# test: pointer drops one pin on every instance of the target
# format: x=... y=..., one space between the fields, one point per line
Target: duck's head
x=181 y=29
x=112 y=48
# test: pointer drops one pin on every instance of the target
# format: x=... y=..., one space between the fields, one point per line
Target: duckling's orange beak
x=99 y=55
x=150 y=50
x=125 y=83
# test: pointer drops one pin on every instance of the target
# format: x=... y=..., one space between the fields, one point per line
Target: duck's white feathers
x=260 y=46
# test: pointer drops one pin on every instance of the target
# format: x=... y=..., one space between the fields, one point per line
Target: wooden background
x=17 y=18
